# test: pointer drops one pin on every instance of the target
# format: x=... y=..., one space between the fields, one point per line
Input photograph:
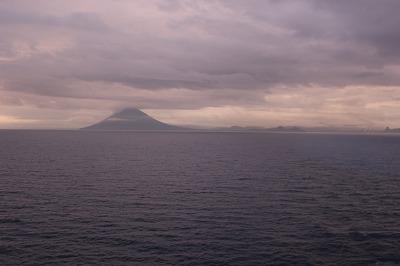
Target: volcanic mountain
x=131 y=119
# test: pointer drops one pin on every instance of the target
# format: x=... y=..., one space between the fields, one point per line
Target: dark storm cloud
x=214 y=53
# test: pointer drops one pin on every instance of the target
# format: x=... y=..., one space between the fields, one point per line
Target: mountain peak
x=131 y=119
x=129 y=113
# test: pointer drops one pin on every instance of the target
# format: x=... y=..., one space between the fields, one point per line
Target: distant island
x=135 y=120
x=392 y=130
x=131 y=119
x=261 y=129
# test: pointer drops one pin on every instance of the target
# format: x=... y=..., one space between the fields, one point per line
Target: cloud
x=94 y=56
x=312 y=106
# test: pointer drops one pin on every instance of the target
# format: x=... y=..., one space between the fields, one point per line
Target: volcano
x=131 y=119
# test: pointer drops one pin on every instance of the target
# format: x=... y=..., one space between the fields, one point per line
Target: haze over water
x=141 y=198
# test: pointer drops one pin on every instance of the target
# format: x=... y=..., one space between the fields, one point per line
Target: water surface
x=124 y=198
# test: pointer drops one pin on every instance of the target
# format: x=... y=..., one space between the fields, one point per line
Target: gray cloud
x=196 y=54
x=80 y=21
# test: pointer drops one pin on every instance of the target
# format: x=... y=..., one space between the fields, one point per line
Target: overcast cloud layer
x=212 y=63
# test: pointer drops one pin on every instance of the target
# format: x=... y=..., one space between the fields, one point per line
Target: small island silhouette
x=131 y=119
x=392 y=130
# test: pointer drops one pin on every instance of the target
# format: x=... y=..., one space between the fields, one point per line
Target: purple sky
x=66 y=64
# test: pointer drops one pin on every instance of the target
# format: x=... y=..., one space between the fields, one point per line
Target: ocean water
x=124 y=198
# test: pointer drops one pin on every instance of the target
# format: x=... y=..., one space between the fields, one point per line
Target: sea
x=198 y=198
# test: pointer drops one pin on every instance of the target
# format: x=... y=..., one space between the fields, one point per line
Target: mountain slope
x=131 y=119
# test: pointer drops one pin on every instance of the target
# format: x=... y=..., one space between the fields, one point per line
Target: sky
x=314 y=63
